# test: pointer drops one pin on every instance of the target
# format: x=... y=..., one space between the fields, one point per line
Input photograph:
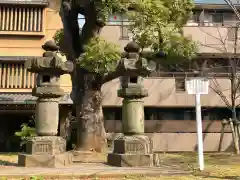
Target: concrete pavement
x=89 y=170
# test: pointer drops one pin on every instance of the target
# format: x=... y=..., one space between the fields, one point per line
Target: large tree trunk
x=86 y=93
x=91 y=132
x=234 y=112
x=234 y=130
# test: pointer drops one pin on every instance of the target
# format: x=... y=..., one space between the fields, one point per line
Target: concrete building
x=169 y=110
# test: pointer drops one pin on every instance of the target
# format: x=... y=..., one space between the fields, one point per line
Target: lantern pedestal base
x=132 y=151
x=45 y=151
x=88 y=157
x=46 y=161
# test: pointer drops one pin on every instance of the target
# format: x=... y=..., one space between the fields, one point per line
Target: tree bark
x=86 y=93
x=91 y=132
x=234 y=112
x=221 y=138
x=234 y=138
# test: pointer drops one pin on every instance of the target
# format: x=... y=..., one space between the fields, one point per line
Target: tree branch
x=141 y=68
x=75 y=40
x=221 y=39
x=209 y=46
x=93 y=25
x=219 y=92
x=69 y=16
x=209 y=34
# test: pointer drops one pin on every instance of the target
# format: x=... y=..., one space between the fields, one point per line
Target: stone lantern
x=134 y=148
x=132 y=92
x=47 y=149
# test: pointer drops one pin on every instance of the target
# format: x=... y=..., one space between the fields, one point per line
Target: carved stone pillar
x=47 y=149
x=134 y=148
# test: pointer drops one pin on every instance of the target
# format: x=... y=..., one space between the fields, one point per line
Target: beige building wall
x=18 y=44
x=30 y=45
x=212 y=39
x=162 y=92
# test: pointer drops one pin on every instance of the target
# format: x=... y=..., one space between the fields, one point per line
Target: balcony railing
x=15 y=76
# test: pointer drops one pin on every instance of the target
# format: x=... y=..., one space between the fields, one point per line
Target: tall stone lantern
x=134 y=148
x=47 y=149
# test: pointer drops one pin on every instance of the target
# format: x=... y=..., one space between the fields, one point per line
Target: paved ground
x=89 y=170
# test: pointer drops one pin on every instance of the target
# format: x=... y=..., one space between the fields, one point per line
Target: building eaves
x=215 y=4
x=26 y=2
x=235 y=2
x=218 y=55
x=27 y=98
x=15 y=58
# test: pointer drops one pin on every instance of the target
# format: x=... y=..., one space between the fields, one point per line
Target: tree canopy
x=154 y=24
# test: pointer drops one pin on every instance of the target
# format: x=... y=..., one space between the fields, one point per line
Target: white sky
x=81 y=20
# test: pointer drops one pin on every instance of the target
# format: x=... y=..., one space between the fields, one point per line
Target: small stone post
x=47 y=149
x=134 y=148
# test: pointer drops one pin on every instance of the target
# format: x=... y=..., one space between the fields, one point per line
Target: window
x=124 y=32
x=215 y=113
x=15 y=76
x=210 y=18
x=123 y=23
x=217 y=19
x=180 y=84
x=112 y=113
x=23 y=20
x=229 y=19
x=231 y=34
x=46 y=79
x=194 y=19
x=152 y=113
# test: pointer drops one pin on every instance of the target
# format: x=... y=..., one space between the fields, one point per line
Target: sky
x=81 y=20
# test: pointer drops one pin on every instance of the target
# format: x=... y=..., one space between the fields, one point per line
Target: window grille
x=23 y=19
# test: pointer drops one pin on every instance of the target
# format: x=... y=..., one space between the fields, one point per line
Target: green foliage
x=36 y=178
x=58 y=37
x=157 y=25
x=100 y=56
x=25 y=133
x=109 y=7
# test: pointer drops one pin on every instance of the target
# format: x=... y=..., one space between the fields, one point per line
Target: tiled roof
x=36 y=2
x=215 y=1
x=27 y=98
x=15 y=58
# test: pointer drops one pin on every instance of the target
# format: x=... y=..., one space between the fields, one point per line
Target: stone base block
x=88 y=157
x=135 y=144
x=41 y=145
x=130 y=160
x=46 y=160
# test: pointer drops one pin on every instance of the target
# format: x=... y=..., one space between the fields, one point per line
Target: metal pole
x=199 y=132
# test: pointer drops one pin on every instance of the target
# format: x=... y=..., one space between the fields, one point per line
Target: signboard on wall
x=197 y=85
